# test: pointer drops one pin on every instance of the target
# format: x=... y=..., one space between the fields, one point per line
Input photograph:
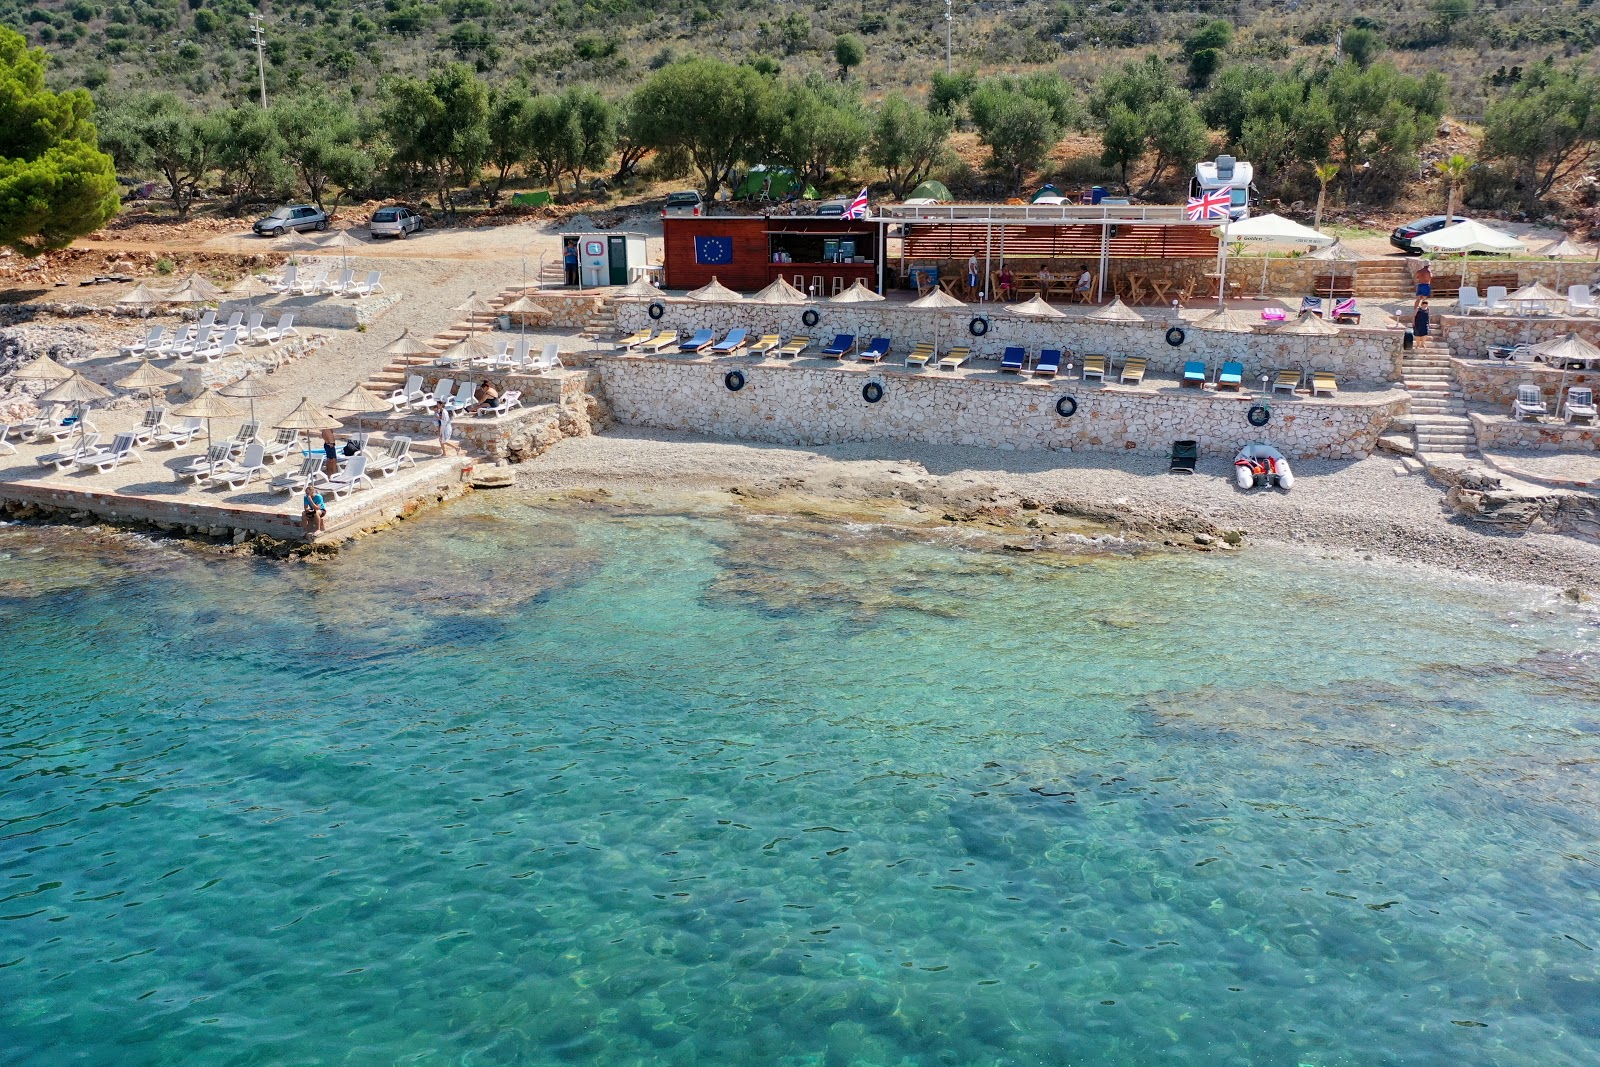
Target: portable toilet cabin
x=605 y=258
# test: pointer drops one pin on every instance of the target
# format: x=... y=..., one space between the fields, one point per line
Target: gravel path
x=1362 y=507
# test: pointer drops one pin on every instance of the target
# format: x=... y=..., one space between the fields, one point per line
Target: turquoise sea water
x=526 y=786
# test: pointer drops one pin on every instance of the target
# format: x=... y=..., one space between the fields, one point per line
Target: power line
x=258 y=34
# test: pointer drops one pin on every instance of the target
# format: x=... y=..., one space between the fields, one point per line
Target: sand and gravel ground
x=1362 y=507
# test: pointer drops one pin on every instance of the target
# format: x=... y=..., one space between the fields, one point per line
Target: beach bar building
x=1115 y=242
x=905 y=244
x=816 y=255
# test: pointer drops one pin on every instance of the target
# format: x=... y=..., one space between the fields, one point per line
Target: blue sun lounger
x=876 y=351
x=731 y=343
x=698 y=343
x=1231 y=376
x=842 y=344
x=1013 y=358
x=1194 y=373
x=1049 y=364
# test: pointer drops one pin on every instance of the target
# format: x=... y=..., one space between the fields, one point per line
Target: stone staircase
x=603 y=323
x=1438 y=414
x=1384 y=280
x=393 y=374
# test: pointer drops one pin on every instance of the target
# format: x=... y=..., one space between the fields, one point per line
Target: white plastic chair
x=1468 y=300
x=1579 y=404
x=1529 y=403
x=1495 y=298
x=1580 y=301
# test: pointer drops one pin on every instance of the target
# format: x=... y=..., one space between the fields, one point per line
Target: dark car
x=292 y=217
x=1405 y=234
x=396 y=220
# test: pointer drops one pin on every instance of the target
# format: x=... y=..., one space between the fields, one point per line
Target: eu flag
x=713 y=251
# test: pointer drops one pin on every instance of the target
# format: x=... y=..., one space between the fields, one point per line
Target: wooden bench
x=1512 y=281
x=1334 y=285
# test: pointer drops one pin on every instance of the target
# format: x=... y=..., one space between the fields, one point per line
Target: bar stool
x=800 y=282
x=816 y=285
x=837 y=287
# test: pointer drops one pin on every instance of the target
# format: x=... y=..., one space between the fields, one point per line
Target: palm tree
x=1325 y=173
x=1453 y=170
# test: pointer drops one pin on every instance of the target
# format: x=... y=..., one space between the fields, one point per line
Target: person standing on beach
x=569 y=260
x=447 y=429
x=972 y=277
x=1420 y=320
x=313 y=510
x=330 y=454
x=1424 y=284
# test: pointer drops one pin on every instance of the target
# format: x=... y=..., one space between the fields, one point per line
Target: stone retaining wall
x=824 y=405
x=1499 y=432
x=1495 y=382
x=1294 y=274
x=566 y=310
x=326 y=312
x=1355 y=355
x=1471 y=335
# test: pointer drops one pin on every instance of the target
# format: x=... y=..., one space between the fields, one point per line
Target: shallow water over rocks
x=583 y=784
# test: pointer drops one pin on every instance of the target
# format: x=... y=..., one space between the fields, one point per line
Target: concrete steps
x=393 y=374
x=1438 y=412
x=1384 y=280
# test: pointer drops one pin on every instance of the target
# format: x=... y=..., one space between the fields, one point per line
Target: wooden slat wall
x=747 y=272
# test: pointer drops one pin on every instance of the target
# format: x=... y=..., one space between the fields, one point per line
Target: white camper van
x=1227 y=173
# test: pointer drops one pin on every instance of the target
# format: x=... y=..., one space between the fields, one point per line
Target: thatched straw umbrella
x=858 y=293
x=148 y=376
x=307 y=418
x=1116 y=311
x=42 y=369
x=940 y=301
x=81 y=392
x=407 y=346
x=140 y=296
x=1035 y=307
x=251 y=387
x=358 y=401
x=641 y=288
x=779 y=292
x=713 y=290
x=200 y=285
x=1225 y=320
x=208 y=405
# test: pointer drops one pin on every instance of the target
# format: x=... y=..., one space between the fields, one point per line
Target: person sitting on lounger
x=1008 y=284
x=485 y=396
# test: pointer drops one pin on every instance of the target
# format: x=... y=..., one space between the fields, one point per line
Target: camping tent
x=755 y=183
x=931 y=190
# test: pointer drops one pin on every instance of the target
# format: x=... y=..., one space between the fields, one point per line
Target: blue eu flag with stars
x=713 y=251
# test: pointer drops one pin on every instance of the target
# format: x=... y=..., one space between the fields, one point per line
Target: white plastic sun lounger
x=122 y=451
x=176 y=436
x=353 y=477
x=66 y=457
x=250 y=468
x=398 y=455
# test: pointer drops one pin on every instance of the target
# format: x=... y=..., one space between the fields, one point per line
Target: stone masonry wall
x=824 y=405
x=1469 y=336
x=1495 y=382
x=1497 y=432
x=1355 y=355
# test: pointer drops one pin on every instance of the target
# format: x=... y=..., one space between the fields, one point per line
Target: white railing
x=991 y=213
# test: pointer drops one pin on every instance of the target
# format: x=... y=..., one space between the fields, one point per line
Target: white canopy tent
x=1265 y=229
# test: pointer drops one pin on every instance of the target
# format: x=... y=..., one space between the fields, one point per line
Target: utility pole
x=258 y=34
x=949 y=19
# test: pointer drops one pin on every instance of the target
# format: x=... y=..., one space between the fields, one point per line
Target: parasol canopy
x=1466 y=237
x=779 y=292
x=1309 y=326
x=937 y=299
x=140 y=295
x=1116 y=311
x=1272 y=229
x=858 y=293
x=474 y=305
x=201 y=285
x=469 y=348
x=43 y=369
x=251 y=387
x=641 y=288
x=1538 y=292
x=188 y=294
x=1564 y=249
x=148 y=376
x=77 y=390
x=1334 y=253
x=1035 y=307
x=1568 y=349
x=1225 y=320
x=522 y=305
x=713 y=290
x=359 y=399
x=307 y=417
x=209 y=404
x=406 y=345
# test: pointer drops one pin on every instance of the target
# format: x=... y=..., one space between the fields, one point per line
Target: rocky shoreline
x=1041 y=501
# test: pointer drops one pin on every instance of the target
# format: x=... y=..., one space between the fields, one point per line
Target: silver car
x=394 y=221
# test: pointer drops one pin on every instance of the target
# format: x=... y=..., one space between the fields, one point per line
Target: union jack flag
x=858 y=206
x=1212 y=205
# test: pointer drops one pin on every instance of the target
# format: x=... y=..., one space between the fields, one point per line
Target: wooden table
x=1159 y=287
